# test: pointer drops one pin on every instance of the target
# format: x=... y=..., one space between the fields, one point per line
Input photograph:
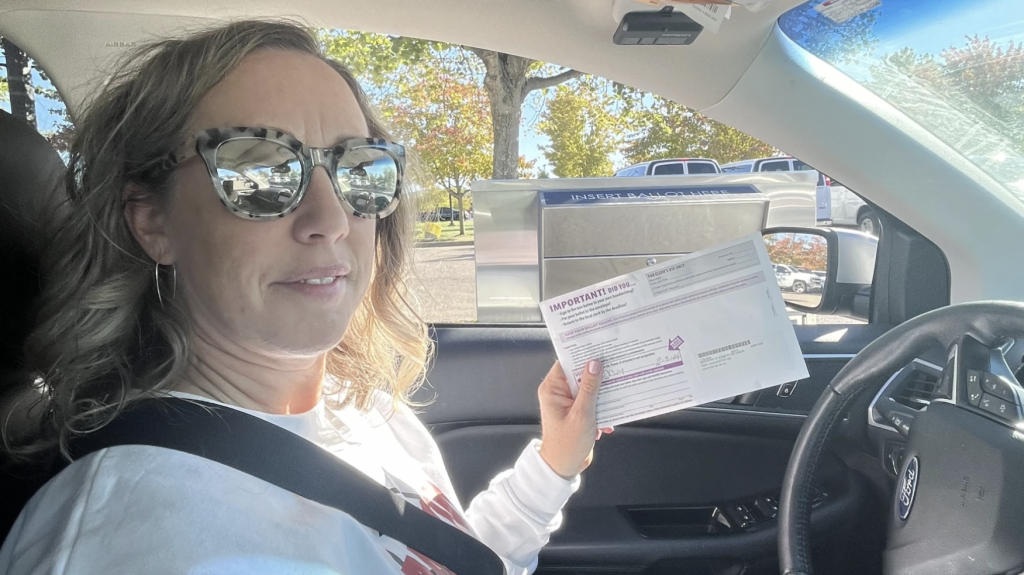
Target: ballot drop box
x=537 y=239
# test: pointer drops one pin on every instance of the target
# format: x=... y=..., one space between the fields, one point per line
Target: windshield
x=954 y=67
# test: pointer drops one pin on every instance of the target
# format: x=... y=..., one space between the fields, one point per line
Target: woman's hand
x=569 y=426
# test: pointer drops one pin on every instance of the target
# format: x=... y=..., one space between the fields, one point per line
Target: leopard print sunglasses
x=263 y=173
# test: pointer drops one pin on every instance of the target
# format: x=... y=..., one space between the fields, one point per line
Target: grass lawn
x=449 y=233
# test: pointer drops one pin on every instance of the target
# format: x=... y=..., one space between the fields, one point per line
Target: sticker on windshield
x=840 y=11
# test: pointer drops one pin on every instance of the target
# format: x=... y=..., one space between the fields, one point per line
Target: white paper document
x=694 y=329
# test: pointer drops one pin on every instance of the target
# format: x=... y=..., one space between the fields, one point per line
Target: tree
x=798 y=250
x=380 y=61
x=582 y=130
x=19 y=82
x=983 y=81
x=526 y=168
x=992 y=77
x=508 y=80
x=666 y=129
x=445 y=120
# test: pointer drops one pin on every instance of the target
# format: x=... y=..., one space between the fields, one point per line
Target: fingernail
x=594 y=367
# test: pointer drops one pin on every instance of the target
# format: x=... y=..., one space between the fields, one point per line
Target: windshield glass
x=954 y=67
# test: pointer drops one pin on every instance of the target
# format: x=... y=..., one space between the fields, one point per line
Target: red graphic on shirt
x=418 y=564
x=436 y=504
x=433 y=502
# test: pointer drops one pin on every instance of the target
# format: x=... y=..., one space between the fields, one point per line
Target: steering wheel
x=959 y=501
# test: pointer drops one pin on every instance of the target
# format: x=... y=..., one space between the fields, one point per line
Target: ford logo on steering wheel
x=907 y=489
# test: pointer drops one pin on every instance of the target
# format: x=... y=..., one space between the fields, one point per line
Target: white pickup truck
x=795 y=280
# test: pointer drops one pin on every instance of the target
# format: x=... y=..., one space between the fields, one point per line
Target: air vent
x=917 y=390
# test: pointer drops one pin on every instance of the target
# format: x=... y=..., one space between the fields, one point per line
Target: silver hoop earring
x=174 y=282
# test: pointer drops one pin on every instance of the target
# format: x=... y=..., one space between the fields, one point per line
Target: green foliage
x=431 y=199
x=582 y=129
x=970 y=97
x=4 y=95
x=798 y=250
x=985 y=74
x=662 y=128
x=376 y=59
x=526 y=168
x=445 y=118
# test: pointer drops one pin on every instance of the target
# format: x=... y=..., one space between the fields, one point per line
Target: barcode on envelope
x=713 y=8
x=723 y=349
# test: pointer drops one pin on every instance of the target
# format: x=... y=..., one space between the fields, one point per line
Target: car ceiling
x=75 y=46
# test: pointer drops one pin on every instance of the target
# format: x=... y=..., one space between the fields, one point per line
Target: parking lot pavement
x=445 y=283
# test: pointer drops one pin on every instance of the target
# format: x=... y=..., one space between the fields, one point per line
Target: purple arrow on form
x=675 y=343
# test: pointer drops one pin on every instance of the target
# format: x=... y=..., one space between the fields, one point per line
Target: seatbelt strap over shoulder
x=275 y=455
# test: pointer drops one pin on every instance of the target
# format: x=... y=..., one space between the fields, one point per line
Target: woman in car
x=163 y=283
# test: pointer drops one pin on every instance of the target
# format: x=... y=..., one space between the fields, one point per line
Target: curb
x=444 y=244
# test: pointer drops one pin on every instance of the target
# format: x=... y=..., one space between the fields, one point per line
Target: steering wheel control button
x=901 y=420
x=786 y=389
x=998 y=406
x=907 y=489
x=996 y=386
x=974 y=387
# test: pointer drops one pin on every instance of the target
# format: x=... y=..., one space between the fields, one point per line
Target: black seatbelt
x=278 y=456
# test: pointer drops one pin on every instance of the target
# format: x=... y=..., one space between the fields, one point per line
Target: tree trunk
x=19 y=83
x=451 y=213
x=462 y=216
x=507 y=83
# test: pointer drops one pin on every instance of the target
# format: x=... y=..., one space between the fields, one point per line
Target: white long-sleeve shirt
x=141 y=509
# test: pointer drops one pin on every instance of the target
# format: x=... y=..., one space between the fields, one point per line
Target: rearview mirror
x=825 y=271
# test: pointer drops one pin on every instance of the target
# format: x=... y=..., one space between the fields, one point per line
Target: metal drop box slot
x=537 y=239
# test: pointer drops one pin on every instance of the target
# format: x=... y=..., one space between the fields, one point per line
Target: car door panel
x=661 y=475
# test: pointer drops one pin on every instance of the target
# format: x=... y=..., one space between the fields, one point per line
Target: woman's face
x=243 y=280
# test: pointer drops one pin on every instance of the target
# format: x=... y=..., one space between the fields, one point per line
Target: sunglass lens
x=368 y=178
x=257 y=176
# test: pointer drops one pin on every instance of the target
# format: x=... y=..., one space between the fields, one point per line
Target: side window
x=27 y=93
x=775 y=166
x=670 y=169
x=701 y=168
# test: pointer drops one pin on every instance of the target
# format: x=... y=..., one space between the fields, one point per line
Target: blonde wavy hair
x=103 y=335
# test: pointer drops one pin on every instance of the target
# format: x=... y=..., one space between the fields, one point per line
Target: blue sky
x=930 y=26
x=926 y=26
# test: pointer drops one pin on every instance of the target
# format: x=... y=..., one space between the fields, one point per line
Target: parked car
x=823 y=211
x=672 y=167
x=848 y=209
x=443 y=215
x=797 y=280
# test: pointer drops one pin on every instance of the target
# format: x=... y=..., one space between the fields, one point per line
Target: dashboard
x=988 y=386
